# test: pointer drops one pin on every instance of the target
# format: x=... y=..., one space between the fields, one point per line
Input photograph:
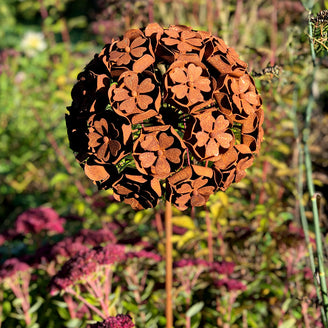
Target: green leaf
x=59 y=177
x=130 y=307
x=6 y=308
x=285 y=305
x=290 y=323
x=63 y=313
x=183 y=221
x=195 y=309
x=73 y=323
x=185 y=238
x=138 y=217
x=148 y=290
x=36 y=305
x=34 y=325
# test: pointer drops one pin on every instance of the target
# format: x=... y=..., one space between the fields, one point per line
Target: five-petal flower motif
x=208 y=135
x=165 y=107
x=109 y=136
x=187 y=85
x=125 y=50
x=138 y=190
x=159 y=151
x=184 y=39
x=237 y=96
x=136 y=100
x=191 y=186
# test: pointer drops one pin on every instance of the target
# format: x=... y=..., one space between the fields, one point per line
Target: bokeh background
x=44 y=44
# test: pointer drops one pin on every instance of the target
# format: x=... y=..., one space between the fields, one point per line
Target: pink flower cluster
x=143 y=254
x=120 y=321
x=70 y=246
x=230 y=284
x=84 y=263
x=37 y=219
x=12 y=266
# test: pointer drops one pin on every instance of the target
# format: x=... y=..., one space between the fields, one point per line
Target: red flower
x=11 y=267
x=84 y=263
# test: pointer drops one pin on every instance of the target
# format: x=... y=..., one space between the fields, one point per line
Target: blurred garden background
x=262 y=276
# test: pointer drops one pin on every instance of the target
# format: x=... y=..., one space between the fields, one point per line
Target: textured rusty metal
x=165 y=109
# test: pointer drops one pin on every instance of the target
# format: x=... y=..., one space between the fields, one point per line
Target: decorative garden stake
x=165 y=113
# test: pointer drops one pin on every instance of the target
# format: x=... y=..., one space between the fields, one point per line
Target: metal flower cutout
x=109 y=136
x=165 y=113
x=183 y=38
x=209 y=135
x=136 y=97
x=159 y=151
x=187 y=85
x=139 y=190
x=192 y=186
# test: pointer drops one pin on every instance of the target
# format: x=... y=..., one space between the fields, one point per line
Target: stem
x=308 y=167
x=159 y=224
x=84 y=301
x=274 y=29
x=209 y=235
x=17 y=290
x=107 y=285
x=98 y=293
x=169 y=264
x=300 y=186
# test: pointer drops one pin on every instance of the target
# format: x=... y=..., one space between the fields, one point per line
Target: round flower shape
x=187 y=85
x=159 y=151
x=232 y=166
x=132 y=52
x=182 y=39
x=99 y=172
x=191 y=186
x=237 y=96
x=169 y=109
x=139 y=190
x=109 y=137
x=225 y=60
x=90 y=93
x=120 y=321
x=136 y=97
x=208 y=135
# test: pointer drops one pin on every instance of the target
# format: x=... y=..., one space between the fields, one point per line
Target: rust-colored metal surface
x=165 y=112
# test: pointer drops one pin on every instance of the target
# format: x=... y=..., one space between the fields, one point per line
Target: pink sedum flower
x=12 y=266
x=83 y=264
x=120 y=321
x=38 y=219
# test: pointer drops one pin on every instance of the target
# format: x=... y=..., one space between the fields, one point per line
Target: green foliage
x=251 y=223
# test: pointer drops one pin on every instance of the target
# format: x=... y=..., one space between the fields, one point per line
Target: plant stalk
x=300 y=186
x=313 y=195
x=169 y=264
